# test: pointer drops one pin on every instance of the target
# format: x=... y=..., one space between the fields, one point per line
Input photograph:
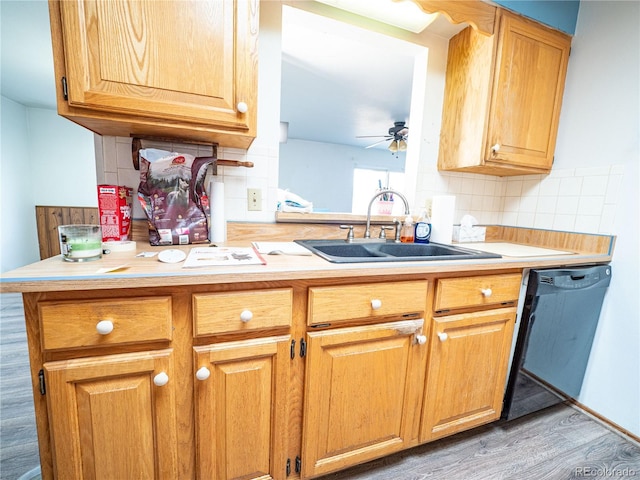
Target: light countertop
x=54 y=274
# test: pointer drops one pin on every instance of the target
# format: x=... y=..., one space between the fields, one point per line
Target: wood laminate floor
x=556 y=444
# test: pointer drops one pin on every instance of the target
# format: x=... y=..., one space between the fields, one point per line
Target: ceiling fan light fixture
x=402 y=145
x=393 y=146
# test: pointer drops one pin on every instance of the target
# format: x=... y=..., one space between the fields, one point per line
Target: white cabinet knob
x=161 y=379
x=104 y=327
x=486 y=292
x=421 y=339
x=246 y=315
x=242 y=107
x=495 y=149
x=203 y=373
x=442 y=336
x=376 y=304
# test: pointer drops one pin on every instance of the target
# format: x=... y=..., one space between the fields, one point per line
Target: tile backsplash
x=115 y=166
x=573 y=199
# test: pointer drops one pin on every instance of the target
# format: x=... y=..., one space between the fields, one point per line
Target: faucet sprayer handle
x=350 y=236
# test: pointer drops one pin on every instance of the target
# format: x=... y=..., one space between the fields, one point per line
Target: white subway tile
x=543 y=220
x=487 y=203
x=595 y=185
x=490 y=188
x=590 y=205
x=607 y=219
x=525 y=219
x=478 y=185
x=124 y=158
x=511 y=204
x=613 y=189
x=110 y=154
x=570 y=186
x=509 y=218
x=514 y=187
x=235 y=187
x=546 y=205
x=454 y=185
x=587 y=223
x=467 y=185
x=567 y=205
x=564 y=222
x=549 y=187
x=528 y=204
x=531 y=187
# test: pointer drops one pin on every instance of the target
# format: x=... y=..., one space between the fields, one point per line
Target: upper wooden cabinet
x=185 y=69
x=502 y=98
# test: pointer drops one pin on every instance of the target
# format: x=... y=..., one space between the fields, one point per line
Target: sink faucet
x=367 y=232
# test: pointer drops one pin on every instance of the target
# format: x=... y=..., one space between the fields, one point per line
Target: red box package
x=114 y=206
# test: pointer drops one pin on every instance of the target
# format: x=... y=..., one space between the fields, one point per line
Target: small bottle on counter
x=423 y=229
x=406 y=233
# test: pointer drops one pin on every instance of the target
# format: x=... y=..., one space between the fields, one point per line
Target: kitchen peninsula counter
x=164 y=356
x=55 y=274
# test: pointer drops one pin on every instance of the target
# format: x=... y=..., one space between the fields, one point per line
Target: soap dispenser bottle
x=423 y=229
x=406 y=233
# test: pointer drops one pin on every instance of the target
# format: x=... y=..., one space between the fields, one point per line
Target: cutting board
x=514 y=249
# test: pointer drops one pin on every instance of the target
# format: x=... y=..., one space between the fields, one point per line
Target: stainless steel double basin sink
x=340 y=251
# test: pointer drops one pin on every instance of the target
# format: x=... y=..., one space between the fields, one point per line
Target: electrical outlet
x=254 y=199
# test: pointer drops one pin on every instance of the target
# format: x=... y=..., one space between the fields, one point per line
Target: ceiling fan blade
x=373 y=136
x=377 y=143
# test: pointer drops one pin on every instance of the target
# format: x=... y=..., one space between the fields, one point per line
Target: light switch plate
x=254 y=199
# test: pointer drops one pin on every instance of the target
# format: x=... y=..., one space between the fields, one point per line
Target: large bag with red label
x=173 y=196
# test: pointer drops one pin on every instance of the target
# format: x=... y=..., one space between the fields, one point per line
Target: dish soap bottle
x=423 y=229
x=406 y=233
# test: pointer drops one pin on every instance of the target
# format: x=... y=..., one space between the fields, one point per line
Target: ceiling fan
x=398 y=134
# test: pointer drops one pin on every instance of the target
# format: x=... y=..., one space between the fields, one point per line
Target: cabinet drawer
x=88 y=323
x=241 y=311
x=452 y=293
x=332 y=304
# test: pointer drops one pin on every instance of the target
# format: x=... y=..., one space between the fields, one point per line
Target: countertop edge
x=281 y=268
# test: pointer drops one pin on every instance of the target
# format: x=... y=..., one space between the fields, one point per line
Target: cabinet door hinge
x=288 y=470
x=303 y=348
x=298 y=465
x=65 y=89
x=43 y=388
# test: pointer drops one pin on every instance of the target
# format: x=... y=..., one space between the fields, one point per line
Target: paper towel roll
x=442 y=212
x=218 y=224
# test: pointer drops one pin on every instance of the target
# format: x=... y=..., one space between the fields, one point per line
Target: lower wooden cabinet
x=362 y=394
x=113 y=416
x=468 y=363
x=241 y=409
x=186 y=390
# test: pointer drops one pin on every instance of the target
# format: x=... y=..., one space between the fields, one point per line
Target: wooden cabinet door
x=363 y=388
x=109 y=419
x=531 y=66
x=181 y=61
x=468 y=361
x=241 y=409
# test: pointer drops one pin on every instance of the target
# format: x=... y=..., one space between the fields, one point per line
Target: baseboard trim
x=604 y=420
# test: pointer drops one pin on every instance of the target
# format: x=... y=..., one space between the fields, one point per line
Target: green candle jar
x=80 y=243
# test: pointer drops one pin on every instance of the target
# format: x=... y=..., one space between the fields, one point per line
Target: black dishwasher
x=559 y=319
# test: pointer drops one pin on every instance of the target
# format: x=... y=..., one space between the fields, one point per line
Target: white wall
x=63 y=155
x=46 y=160
x=17 y=192
x=600 y=128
